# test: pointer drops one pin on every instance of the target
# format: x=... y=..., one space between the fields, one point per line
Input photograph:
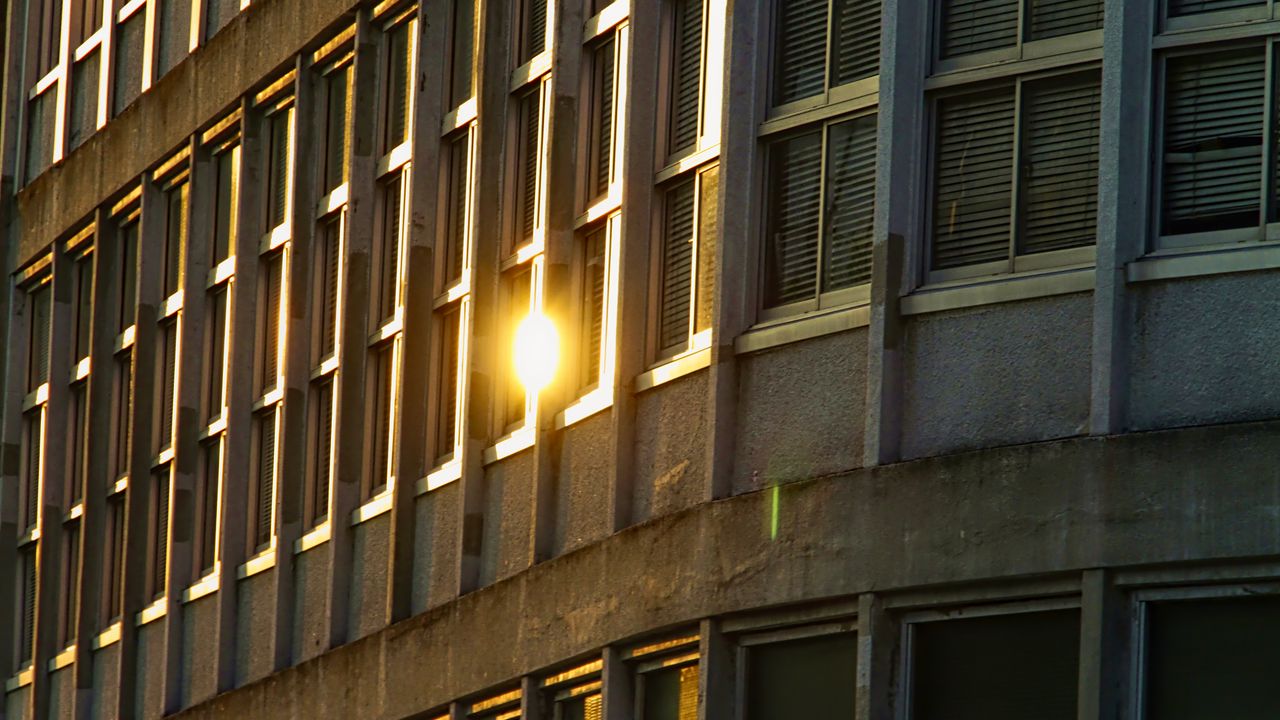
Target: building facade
x=916 y=360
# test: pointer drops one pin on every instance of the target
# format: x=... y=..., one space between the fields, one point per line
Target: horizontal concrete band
x=1206 y=493
x=249 y=51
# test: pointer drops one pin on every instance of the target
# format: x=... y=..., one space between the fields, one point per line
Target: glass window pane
x=806 y=678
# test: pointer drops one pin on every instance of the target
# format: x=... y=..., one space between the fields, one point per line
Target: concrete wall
x=368 y=605
x=582 y=485
x=671 y=453
x=310 y=602
x=254 y=613
x=508 y=513
x=199 y=641
x=435 y=571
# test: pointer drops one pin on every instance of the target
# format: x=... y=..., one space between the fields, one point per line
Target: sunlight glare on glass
x=537 y=351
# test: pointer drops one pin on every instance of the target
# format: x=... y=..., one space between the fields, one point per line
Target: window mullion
x=1267 y=206
x=828 y=49
x=1015 y=202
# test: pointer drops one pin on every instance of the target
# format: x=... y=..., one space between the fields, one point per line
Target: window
x=994 y=666
x=25 y=604
x=670 y=692
x=389 y=250
x=279 y=167
x=226 y=204
x=462 y=62
x=337 y=134
x=529 y=143
x=45 y=18
x=981 y=31
x=603 y=114
x=175 y=238
x=113 y=560
x=69 y=595
x=1214 y=144
x=688 y=72
x=127 y=256
x=261 y=505
x=322 y=400
x=82 y=308
x=1211 y=656
x=213 y=433
x=122 y=410
x=269 y=398
x=382 y=393
x=532 y=29
x=399 y=85
x=801 y=676
x=31 y=468
x=166 y=385
x=208 y=484
x=1016 y=175
x=575 y=694
x=40 y=304
x=77 y=443
x=87 y=18
x=457 y=205
x=453 y=301
x=820 y=167
x=158 y=533
x=448 y=386
x=520 y=301
x=1014 y=170
x=592 y=304
x=688 y=251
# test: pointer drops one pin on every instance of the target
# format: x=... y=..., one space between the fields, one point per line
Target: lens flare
x=537 y=351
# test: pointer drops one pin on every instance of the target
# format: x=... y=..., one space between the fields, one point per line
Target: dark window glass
x=399 y=66
x=459 y=190
x=1209 y=659
x=810 y=678
x=264 y=480
x=382 y=369
x=446 y=424
x=686 y=76
x=321 y=447
x=463 y=39
x=278 y=170
x=207 y=496
x=337 y=133
x=128 y=270
x=175 y=239
x=226 y=208
x=83 y=306
x=388 y=271
x=159 y=555
x=40 y=301
x=670 y=694
x=530 y=160
x=592 y=307
x=999 y=667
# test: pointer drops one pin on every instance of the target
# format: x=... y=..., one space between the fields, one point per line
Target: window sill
x=257 y=564
x=152 y=612
x=204 y=587
x=441 y=476
x=23 y=678
x=1216 y=261
x=316 y=537
x=65 y=658
x=107 y=637
x=377 y=505
x=802 y=327
x=696 y=358
x=999 y=289
x=584 y=407
x=516 y=441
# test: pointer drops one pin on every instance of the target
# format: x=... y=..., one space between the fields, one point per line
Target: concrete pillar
x=1104 y=648
x=877 y=642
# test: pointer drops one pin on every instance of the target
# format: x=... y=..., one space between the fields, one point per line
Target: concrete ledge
x=1209 y=493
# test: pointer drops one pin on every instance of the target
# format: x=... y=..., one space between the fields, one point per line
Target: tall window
x=226 y=214
x=175 y=238
x=322 y=397
x=124 y=295
x=69 y=583
x=520 y=300
x=269 y=399
x=688 y=188
x=86 y=19
x=820 y=173
x=667 y=682
x=532 y=29
x=337 y=125
x=452 y=301
x=279 y=163
x=576 y=693
x=398 y=83
x=213 y=424
x=1014 y=168
x=39 y=309
x=166 y=384
x=25 y=606
x=462 y=52
x=45 y=22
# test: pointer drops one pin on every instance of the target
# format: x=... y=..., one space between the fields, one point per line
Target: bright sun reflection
x=537 y=351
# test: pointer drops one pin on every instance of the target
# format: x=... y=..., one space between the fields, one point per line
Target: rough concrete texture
x=62 y=689
x=508 y=515
x=1202 y=351
x=149 y=677
x=84 y=100
x=199 y=645
x=582 y=487
x=16 y=703
x=255 y=45
x=106 y=682
x=253 y=627
x=671 y=447
x=997 y=375
x=367 y=610
x=801 y=411
x=435 y=573
x=1033 y=510
x=311 y=580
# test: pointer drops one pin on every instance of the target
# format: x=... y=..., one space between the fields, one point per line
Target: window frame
x=847 y=625
x=1024 y=49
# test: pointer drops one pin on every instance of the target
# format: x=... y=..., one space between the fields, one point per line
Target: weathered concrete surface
x=435 y=572
x=1208 y=493
x=508 y=517
x=199 y=644
x=997 y=375
x=1205 y=350
x=368 y=608
x=106 y=682
x=311 y=578
x=253 y=627
x=671 y=440
x=253 y=47
x=801 y=411
x=582 y=486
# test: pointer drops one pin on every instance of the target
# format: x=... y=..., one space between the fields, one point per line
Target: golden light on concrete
x=537 y=351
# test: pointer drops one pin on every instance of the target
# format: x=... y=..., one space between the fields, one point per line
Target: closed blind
x=211 y=476
x=446 y=432
x=273 y=281
x=279 y=161
x=677 y=265
x=70 y=585
x=970 y=26
x=380 y=466
x=973 y=179
x=856 y=37
x=459 y=156
x=708 y=246
x=800 y=64
x=531 y=113
x=850 y=203
x=535 y=28
x=128 y=276
x=226 y=210
x=1060 y=163
x=26 y=648
x=1051 y=18
x=123 y=406
x=463 y=39
x=592 y=306
x=1213 y=120
x=217 y=353
x=389 y=253
x=330 y=262
x=686 y=82
x=322 y=463
x=168 y=381
x=336 y=135
x=84 y=305
x=1195 y=7
x=399 y=62
x=266 y=480
x=794 y=212
x=160 y=554
x=41 y=316
x=606 y=67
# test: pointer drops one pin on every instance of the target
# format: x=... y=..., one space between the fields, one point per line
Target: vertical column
x=898 y=234
x=557 y=294
x=719 y=673
x=737 y=40
x=137 y=503
x=1123 y=189
x=295 y=354
x=617 y=691
x=638 y=151
x=877 y=636
x=1104 y=650
x=93 y=529
x=412 y=461
x=492 y=50
x=353 y=328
